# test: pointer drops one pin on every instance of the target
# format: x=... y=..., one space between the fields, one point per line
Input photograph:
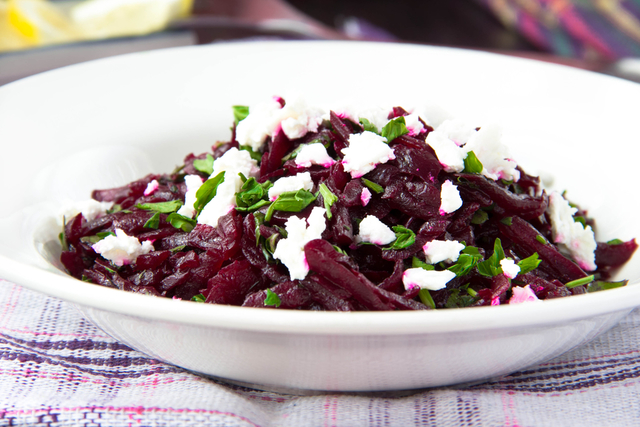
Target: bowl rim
x=58 y=285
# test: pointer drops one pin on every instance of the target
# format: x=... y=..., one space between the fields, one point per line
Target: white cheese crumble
x=413 y=123
x=314 y=154
x=232 y=163
x=442 y=250
x=290 y=251
x=365 y=151
x=372 y=230
x=122 y=249
x=193 y=182
x=579 y=241
x=291 y=183
x=433 y=115
x=365 y=196
x=450 y=200
x=450 y=156
x=509 y=268
x=522 y=294
x=295 y=119
x=151 y=188
x=457 y=131
x=426 y=279
x=90 y=210
x=493 y=154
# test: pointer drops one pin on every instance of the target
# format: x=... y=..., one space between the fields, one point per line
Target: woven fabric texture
x=56 y=369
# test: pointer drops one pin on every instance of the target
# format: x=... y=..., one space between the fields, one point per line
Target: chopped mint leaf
x=272 y=299
x=615 y=242
x=582 y=220
x=530 y=263
x=491 y=266
x=603 y=286
x=404 y=238
x=417 y=263
x=472 y=293
x=339 y=250
x=252 y=195
x=178 y=248
x=271 y=242
x=90 y=239
x=328 y=197
x=541 y=239
x=153 y=222
x=207 y=191
x=162 y=207
x=458 y=300
x=472 y=164
x=290 y=201
x=479 y=217
x=255 y=155
x=198 y=298
x=182 y=222
x=115 y=208
x=368 y=126
x=240 y=112
x=466 y=261
x=395 y=128
x=204 y=165
x=426 y=298
x=506 y=220
x=376 y=188
x=580 y=282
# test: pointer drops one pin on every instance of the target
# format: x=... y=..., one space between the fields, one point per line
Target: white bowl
x=107 y=122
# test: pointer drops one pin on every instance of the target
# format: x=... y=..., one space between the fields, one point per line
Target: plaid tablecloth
x=56 y=369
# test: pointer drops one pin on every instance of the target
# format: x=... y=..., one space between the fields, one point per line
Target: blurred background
x=600 y=35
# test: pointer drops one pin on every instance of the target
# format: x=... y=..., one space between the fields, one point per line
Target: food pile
x=342 y=209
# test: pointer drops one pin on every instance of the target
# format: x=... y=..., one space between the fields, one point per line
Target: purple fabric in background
x=58 y=370
x=586 y=29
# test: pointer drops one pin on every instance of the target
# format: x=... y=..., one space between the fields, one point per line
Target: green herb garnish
x=614 y=242
x=204 y=165
x=182 y=222
x=328 y=197
x=469 y=258
x=161 y=207
x=541 y=239
x=506 y=220
x=426 y=298
x=290 y=201
x=207 y=191
x=198 y=298
x=153 y=222
x=530 y=263
x=404 y=238
x=255 y=155
x=580 y=282
x=479 y=217
x=376 y=188
x=472 y=164
x=491 y=266
x=395 y=128
x=272 y=299
x=603 y=286
x=368 y=126
x=417 y=263
x=253 y=195
x=240 y=112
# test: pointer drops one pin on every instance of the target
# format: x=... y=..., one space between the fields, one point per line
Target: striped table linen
x=56 y=369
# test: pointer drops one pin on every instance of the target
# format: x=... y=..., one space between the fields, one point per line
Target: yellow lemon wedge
x=115 y=18
x=38 y=22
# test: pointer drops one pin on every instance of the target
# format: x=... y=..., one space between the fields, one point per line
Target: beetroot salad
x=342 y=209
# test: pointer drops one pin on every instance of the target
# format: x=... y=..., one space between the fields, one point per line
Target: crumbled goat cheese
x=193 y=182
x=314 y=154
x=426 y=279
x=442 y=250
x=413 y=123
x=451 y=156
x=579 y=241
x=509 y=268
x=450 y=200
x=365 y=151
x=457 y=130
x=377 y=116
x=291 y=183
x=122 y=249
x=151 y=188
x=522 y=294
x=295 y=119
x=90 y=210
x=365 y=196
x=433 y=115
x=372 y=230
x=290 y=251
x=232 y=163
x=493 y=154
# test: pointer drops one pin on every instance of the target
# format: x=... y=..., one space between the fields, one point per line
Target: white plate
x=107 y=122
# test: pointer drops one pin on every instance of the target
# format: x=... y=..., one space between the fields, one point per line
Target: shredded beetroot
x=233 y=262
